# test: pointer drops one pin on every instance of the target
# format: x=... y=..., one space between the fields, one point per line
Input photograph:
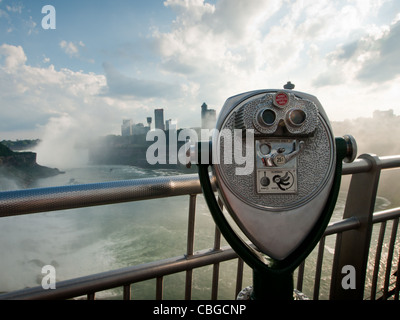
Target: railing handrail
x=37 y=200
x=363 y=165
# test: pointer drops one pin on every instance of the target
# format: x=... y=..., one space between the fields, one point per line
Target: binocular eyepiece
x=278 y=114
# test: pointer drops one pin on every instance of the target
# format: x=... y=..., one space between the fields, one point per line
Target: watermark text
x=349 y=280
x=49 y=278
x=238 y=148
x=49 y=20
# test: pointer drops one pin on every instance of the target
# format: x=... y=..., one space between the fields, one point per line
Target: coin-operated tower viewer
x=284 y=204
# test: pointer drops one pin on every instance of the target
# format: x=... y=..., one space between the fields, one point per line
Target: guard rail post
x=352 y=247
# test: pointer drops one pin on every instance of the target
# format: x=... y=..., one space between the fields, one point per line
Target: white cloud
x=189 y=9
x=45 y=99
x=370 y=59
x=203 y=32
x=237 y=45
x=31 y=25
x=14 y=8
x=14 y=56
x=43 y=91
x=215 y=48
x=382 y=64
x=71 y=48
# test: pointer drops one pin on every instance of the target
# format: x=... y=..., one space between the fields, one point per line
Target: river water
x=80 y=242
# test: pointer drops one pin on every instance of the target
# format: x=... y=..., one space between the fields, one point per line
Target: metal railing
x=352 y=244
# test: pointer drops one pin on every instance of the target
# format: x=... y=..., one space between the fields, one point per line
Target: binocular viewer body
x=293 y=151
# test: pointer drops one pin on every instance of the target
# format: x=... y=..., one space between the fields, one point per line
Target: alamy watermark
x=238 y=148
x=349 y=280
x=49 y=278
x=49 y=20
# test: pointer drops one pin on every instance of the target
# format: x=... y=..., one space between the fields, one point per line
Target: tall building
x=383 y=114
x=138 y=129
x=126 y=128
x=171 y=125
x=159 y=119
x=208 y=117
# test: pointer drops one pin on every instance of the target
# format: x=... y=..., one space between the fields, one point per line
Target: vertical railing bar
x=217 y=246
x=396 y=290
x=191 y=223
x=239 y=276
x=390 y=257
x=159 y=288
x=360 y=204
x=300 y=276
x=127 y=292
x=396 y=273
x=377 y=260
x=91 y=296
x=217 y=239
x=215 y=279
x=318 y=268
x=188 y=284
x=217 y=234
x=336 y=257
x=190 y=245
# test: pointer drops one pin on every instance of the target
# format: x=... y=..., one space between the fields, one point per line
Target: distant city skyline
x=129 y=127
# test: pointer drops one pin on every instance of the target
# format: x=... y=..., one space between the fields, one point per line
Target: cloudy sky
x=110 y=60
